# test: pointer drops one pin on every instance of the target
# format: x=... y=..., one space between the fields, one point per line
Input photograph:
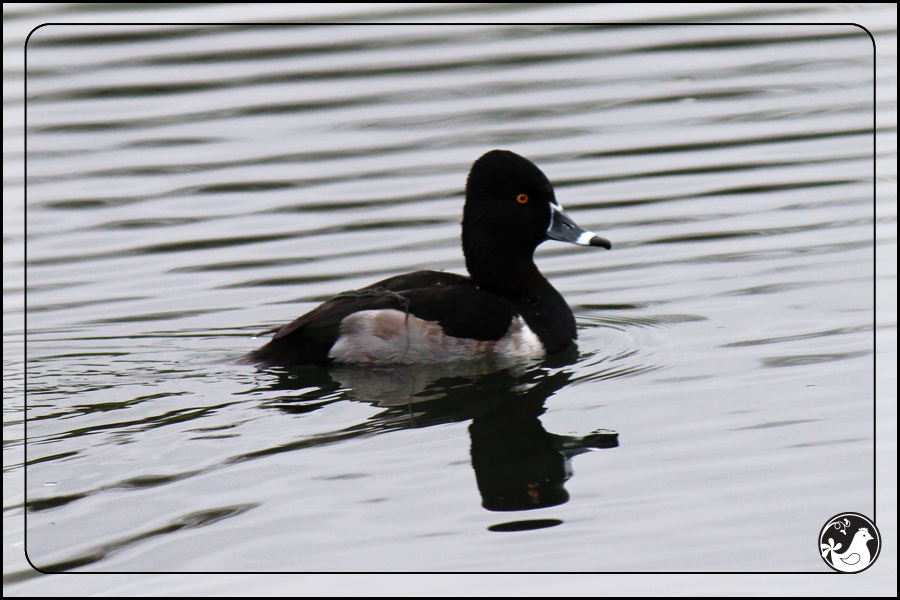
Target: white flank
x=391 y=336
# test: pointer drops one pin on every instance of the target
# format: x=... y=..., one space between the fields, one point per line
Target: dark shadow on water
x=528 y=525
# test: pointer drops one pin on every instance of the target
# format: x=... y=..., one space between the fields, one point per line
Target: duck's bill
x=564 y=229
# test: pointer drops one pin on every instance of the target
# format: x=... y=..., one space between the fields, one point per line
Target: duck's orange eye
x=522 y=198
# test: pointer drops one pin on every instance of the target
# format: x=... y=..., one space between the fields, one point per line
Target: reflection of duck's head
x=518 y=464
x=505 y=309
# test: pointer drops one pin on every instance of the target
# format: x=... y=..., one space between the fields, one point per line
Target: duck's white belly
x=391 y=336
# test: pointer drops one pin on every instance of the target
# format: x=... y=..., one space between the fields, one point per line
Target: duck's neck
x=519 y=275
x=544 y=309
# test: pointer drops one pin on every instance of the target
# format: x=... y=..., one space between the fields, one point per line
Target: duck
x=504 y=308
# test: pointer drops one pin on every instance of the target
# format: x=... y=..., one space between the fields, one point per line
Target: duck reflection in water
x=518 y=464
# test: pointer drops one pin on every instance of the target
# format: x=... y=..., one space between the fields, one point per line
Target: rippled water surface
x=191 y=186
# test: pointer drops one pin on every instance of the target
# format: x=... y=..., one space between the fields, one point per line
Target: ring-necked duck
x=506 y=308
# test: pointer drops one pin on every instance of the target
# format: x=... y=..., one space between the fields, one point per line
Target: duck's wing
x=345 y=303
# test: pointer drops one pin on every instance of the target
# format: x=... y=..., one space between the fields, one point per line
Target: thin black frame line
x=494 y=24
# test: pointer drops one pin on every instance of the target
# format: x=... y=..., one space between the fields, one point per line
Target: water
x=189 y=187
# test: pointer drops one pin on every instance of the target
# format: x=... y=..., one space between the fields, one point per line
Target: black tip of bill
x=599 y=241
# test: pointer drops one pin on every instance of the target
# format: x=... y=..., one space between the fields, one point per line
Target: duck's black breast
x=419 y=317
